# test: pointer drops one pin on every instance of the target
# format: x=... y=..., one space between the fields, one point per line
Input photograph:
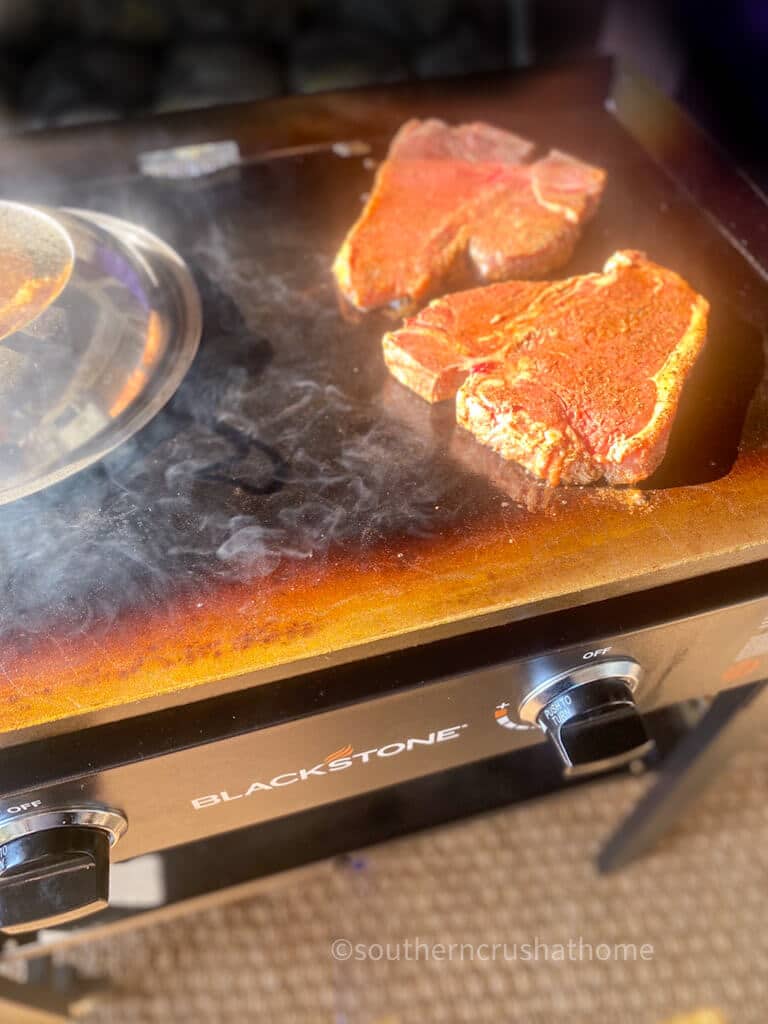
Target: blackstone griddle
x=300 y=595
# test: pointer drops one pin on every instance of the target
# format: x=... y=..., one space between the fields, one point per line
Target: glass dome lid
x=99 y=322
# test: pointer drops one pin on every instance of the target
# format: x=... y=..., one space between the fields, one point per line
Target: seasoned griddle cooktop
x=293 y=504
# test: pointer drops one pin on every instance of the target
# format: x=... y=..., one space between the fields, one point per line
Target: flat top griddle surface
x=293 y=503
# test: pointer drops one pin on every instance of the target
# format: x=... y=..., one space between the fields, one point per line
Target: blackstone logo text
x=340 y=761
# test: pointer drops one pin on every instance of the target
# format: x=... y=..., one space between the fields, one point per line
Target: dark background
x=70 y=61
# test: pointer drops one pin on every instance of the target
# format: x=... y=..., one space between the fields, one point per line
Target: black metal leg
x=732 y=722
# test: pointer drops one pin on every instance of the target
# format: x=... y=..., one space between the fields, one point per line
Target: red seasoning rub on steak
x=434 y=352
x=574 y=380
x=446 y=195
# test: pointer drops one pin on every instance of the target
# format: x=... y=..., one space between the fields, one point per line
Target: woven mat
x=519 y=876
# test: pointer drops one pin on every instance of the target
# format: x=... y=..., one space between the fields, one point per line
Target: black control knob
x=595 y=727
x=590 y=715
x=54 y=867
x=53 y=877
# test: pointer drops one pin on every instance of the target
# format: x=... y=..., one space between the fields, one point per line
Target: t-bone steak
x=575 y=380
x=447 y=196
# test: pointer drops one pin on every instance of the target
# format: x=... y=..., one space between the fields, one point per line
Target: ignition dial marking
x=502 y=717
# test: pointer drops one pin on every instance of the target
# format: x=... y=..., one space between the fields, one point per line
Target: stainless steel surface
x=90 y=365
x=109 y=821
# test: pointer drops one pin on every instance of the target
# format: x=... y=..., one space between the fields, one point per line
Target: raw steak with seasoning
x=448 y=197
x=574 y=380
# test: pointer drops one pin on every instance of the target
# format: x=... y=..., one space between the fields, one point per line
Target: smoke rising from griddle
x=247 y=472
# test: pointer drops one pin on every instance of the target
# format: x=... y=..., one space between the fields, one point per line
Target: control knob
x=590 y=715
x=54 y=866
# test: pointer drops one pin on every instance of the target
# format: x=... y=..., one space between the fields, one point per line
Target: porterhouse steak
x=575 y=380
x=446 y=196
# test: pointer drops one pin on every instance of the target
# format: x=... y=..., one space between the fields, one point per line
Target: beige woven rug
x=523 y=875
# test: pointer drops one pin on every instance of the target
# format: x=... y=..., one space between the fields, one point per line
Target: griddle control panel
x=589 y=714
